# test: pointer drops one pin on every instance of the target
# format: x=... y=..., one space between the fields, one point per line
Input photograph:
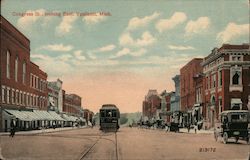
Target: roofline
x=191 y=62
x=14 y=27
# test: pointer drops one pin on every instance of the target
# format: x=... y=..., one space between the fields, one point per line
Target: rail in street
x=127 y=143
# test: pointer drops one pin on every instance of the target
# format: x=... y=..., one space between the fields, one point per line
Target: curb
x=41 y=132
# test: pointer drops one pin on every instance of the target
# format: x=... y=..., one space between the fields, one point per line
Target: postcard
x=125 y=79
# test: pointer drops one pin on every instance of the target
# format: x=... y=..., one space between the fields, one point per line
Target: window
x=27 y=100
x=31 y=100
x=16 y=69
x=236 y=78
x=236 y=58
x=8 y=96
x=31 y=80
x=3 y=94
x=24 y=98
x=207 y=82
x=8 y=64
x=214 y=80
x=20 y=97
x=239 y=117
x=220 y=78
x=13 y=96
x=17 y=95
x=24 y=72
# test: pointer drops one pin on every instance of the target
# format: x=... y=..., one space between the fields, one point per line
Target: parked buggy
x=233 y=124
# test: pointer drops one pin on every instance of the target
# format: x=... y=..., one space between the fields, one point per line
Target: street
x=130 y=143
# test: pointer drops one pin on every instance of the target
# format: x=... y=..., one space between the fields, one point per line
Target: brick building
x=227 y=81
x=151 y=104
x=72 y=105
x=187 y=83
x=88 y=115
x=23 y=83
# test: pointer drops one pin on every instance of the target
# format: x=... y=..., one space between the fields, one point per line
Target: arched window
x=16 y=69
x=213 y=100
x=236 y=78
x=24 y=72
x=8 y=64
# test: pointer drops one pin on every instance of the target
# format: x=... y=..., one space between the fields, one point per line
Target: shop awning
x=18 y=114
x=31 y=115
x=236 y=101
x=82 y=119
x=44 y=115
x=56 y=116
x=196 y=105
x=66 y=117
x=74 y=118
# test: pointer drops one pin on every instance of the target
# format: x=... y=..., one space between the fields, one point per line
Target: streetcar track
x=87 y=151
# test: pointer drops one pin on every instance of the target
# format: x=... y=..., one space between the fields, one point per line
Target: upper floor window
x=16 y=69
x=236 y=58
x=24 y=72
x=236 y=78
x=8 y=64
x=220 y=78
x=236 y=75
x=214 y=80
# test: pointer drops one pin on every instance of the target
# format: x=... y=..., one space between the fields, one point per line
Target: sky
x=114 y=51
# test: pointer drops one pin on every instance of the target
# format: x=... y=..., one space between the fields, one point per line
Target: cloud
x=167 y=24
x=175 y=47
x=78 y=55
x=58 y=47
x=39 y=56
x=66 y=24
x=137 y=22
x=65 y=57
x=123 y=52
x=52 y=65
x=198 y=26
x=233 y=31
x=91 y=55
x=127 y=51
x=138 y=53
x=94 y=19
x=26 y=21
x=106 y=48
x=145 y=40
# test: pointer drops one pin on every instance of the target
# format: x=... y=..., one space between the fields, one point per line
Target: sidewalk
x=49 y=130
x=202 y=131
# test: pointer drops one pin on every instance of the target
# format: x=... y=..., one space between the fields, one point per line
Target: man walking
x=12 y=128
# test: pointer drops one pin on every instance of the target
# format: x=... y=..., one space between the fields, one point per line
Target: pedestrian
x=166 y=128
x=188 y=127
x=195 y=127
x=12 y=128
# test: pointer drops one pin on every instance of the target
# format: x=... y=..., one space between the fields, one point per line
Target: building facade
x=226 y=80
x=151 y=104
x=72 y=105
x=187 y=83
x=88 y=116
x=23 y=83
x=175 y=96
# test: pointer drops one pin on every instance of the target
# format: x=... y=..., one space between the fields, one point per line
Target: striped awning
x=56 y=116
x=20 y=115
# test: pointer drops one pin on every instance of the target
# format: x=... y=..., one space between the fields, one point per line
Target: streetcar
x=234 y=124
x=109 y=118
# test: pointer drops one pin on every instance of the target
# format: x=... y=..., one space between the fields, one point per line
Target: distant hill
x=131 y=117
